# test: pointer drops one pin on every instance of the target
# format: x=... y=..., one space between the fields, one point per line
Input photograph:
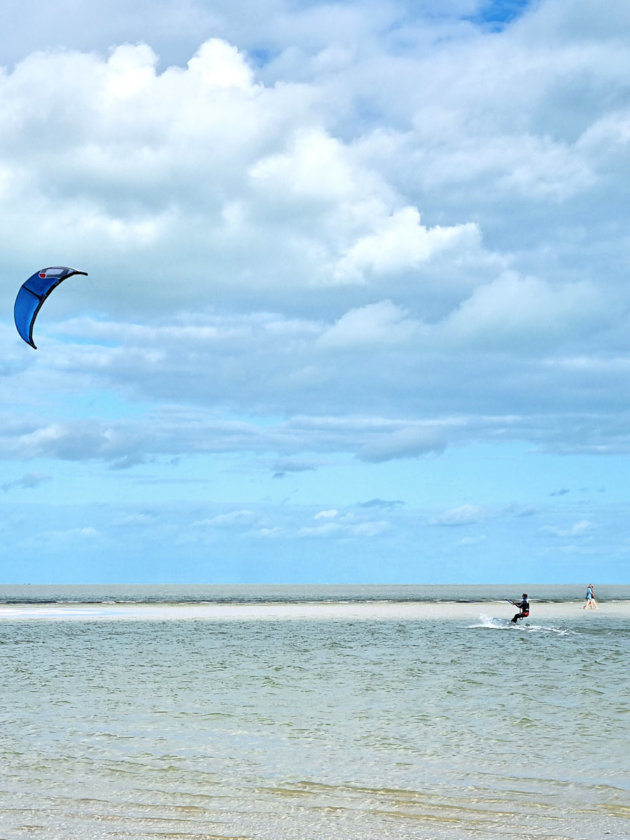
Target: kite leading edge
x=32 y=295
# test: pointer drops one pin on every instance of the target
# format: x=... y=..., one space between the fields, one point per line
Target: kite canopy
x=32 y=295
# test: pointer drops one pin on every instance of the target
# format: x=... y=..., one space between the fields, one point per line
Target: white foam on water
x=492 y=623
x=541 y=628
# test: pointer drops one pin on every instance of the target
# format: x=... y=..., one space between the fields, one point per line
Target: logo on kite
x=32 y=295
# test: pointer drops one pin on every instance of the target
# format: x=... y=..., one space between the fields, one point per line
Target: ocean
x=313 y=713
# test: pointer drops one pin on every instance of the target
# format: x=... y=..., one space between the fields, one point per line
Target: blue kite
x=32 y=295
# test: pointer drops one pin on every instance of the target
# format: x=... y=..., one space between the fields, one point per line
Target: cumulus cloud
x=203 y=170
x=273 y=269
x=527 y=309
x=370 y=326
x=322 y=239
x=401 y=243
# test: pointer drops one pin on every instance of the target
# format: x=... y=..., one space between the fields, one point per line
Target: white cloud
x=514 y=308
x=219 y=64
x=577 y=529
x=131 y=70
x=373 y=325
x=401 y=242
x=406 y=442
x=433 y=255
x=344 y=526
x=65 y=538
x=235 y=518
x=322 y=240
x=315 y=168
x=203 y=170
x=326 y=530
x=370 y=529
x=463 y=515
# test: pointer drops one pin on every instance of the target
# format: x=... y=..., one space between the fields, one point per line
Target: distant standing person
x=523 y=609
x=591 y=603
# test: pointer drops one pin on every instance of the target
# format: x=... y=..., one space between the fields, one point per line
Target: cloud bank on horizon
x=361 y=249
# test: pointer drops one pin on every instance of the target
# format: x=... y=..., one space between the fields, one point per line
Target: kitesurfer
x=523 y=608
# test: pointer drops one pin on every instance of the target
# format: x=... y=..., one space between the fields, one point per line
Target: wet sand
x=355 y=611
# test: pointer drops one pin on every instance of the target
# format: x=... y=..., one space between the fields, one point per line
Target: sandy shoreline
x=356 y=611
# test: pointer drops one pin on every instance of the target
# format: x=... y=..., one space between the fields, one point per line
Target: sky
x=357 y=306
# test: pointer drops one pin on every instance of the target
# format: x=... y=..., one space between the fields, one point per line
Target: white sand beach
x=310 y=611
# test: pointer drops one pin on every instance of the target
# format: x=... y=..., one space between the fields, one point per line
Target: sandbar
x=310 y=611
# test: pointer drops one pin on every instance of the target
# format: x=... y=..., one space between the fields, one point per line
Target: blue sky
x=357 y=305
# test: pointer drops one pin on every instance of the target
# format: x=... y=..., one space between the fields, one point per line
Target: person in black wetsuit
x=523 y=607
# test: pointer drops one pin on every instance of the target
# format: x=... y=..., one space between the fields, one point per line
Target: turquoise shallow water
x=314 y=729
